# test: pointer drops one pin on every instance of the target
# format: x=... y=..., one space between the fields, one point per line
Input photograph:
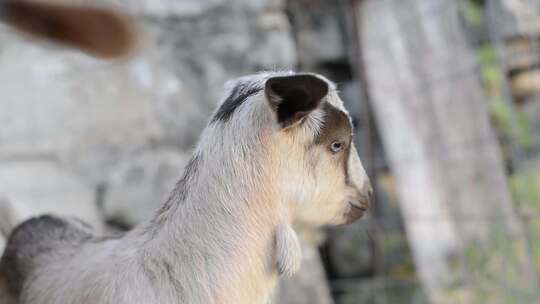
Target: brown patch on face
x=337 y=128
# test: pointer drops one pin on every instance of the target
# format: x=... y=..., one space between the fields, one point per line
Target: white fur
x=288 y=250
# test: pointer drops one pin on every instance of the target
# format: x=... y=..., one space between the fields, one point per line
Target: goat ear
x=102 y=32
x=293 y=97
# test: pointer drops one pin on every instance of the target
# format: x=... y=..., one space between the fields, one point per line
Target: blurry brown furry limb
x=100 y=31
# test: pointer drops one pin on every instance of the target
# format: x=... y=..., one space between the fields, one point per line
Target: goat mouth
x=355 y=212
x=361 y=208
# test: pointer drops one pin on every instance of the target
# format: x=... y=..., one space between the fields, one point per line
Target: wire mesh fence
x=462 y=76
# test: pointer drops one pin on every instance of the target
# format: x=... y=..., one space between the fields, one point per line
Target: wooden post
x=429 y=106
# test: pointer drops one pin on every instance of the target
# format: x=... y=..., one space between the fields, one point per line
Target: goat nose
x=368 y=190
x=367 y=193
x=370 y=193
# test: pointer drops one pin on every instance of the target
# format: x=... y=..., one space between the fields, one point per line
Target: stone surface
x=191 y=8
x=40 y=187
x=87 y=114
x=165 y=8
x=522 y=54
x=514 y=18
x=318 y=32
x=90 y=114
x=138 y=185
x=526 y=83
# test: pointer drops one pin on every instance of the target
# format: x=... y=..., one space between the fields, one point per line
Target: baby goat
x=278 y=149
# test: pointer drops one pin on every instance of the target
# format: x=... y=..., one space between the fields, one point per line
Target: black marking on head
x=336 y=127
x=295 y=96
x=239 y=94
x=32 y=240
x=181 y=188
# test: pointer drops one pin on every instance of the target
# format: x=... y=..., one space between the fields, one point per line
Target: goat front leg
x=288 y=250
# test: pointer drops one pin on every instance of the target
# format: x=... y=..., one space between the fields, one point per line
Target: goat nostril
x=368 y=198
x=367 y=189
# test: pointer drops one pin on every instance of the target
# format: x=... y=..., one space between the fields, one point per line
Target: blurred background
x=445 y=96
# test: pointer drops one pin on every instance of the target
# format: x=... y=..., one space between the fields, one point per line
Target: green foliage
x=490 y=70
x=501 y=113
x=500 y=110
x=524 y=187
x=473 y=13
x=493 y=272
x=525 y=191
x=487 y=55
x=398 y=261
x=492 y=76
x=533 y=226
x=382 y=291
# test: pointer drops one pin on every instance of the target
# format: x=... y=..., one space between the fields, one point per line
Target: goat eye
x=337 y=146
